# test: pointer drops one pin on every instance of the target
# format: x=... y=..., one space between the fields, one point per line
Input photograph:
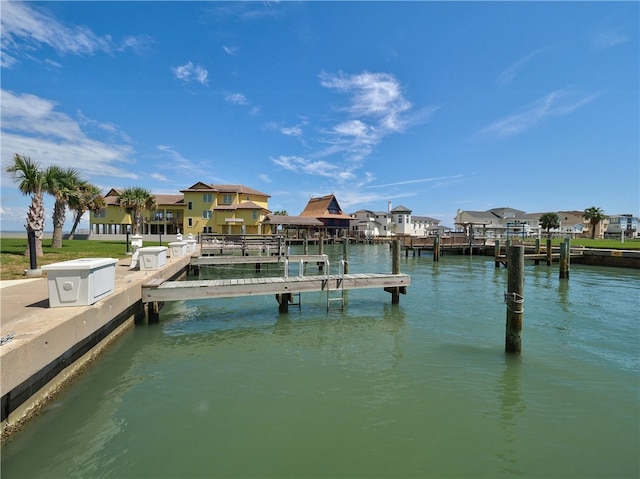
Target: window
x=400 y=219
x=157 y=216
x=227 y=199
x=100 y=214
x=207 y=214
x=254 y=215
x=190 y=205
x=190 y=222
x=207 y=198
x=169 y=215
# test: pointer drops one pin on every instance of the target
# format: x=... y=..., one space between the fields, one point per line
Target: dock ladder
x=340 y=284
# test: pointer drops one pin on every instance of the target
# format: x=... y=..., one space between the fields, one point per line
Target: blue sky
x=436 y=106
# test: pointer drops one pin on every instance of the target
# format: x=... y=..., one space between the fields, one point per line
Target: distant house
x=405 y=224
x=327 y=210
x=496 y=223
x=623 y=223
x=222 y=209
x=369 y=224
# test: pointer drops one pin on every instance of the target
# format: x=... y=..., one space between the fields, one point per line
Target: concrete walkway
x=37 y=341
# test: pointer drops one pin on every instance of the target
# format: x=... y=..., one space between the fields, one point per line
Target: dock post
x=549 y=252
x=496 y=252
x=436 y=248
x=395 y=269
x=321 y=244
x=283 y=301
x=305 y=247
x=565 y=254
x=537 y=251
x=153 y=312
x=345 y=254
x=514 y=299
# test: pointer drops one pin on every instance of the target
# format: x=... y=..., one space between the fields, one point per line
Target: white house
x=371 y=224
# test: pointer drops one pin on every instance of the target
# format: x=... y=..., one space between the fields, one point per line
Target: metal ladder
x=336 y=299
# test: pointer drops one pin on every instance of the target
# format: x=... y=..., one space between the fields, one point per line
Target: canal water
x=230 y=388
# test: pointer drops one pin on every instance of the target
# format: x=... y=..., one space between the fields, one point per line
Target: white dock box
x=191 y=245
x=178 y=248
x=152 y=257
x=80 y=282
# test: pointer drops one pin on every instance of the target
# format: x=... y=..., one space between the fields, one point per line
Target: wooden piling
x=549 y=252
x=283 y=302
x=395 y=291
x=496 y=253
x=565 y=250
x=514 y=299
x=345 y=254
x=436 y=248
x=537 y=261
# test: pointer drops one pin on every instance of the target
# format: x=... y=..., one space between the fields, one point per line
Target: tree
x=594 y=216
x=62 y=185
x=88 y=198
x=550 y=220
x=136 y=200
x=281 y=213
x=31 y=181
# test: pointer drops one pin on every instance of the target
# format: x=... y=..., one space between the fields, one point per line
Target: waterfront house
x=210 y=208
x=327 y=210
x=626 y=223
x=369 y=224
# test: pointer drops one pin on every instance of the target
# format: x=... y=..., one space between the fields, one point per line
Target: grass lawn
x=13 y=262
x=592 y=243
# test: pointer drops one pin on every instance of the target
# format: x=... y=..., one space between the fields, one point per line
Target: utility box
x=152 y=257
x=191 y=245
x=80 y=282
x=178 y=248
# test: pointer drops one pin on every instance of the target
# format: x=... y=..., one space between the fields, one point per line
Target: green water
x=230 y=388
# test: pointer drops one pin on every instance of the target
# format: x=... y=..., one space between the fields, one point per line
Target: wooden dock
x=228 y=288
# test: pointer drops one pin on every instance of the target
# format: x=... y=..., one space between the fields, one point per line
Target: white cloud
x=507 y=76
x=316 y=168
x=237 y=99
x=374 y=95
x=608 y=38
x=32 y=126
x=264 y=177
x=25 y=28
x=291 y=131
x=230 y=50
x=158 y=177
x=190 y=72
x=556 y=103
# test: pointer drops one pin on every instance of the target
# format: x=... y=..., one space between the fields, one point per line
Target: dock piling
x=514 y=299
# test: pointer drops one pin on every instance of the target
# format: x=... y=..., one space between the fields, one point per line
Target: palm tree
x=594 y=216
x=31 y=180
x=136 y=200
x=63 y=185
x=549 y=220
x=88 y=198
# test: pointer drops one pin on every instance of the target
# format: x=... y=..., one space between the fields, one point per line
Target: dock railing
x=244 y=245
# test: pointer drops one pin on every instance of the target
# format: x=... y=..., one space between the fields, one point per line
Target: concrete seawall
x=43 y=347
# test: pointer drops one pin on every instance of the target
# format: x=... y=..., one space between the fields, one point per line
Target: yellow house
x=225 y=209
x=221 y=209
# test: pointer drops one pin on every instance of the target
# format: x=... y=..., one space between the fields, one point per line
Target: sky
x=435 y=106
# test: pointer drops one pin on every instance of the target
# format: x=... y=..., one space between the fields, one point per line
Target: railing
x=212 y=243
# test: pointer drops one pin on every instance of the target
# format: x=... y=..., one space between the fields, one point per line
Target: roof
x=177 y=200
x=292 y=220
x=245 y=205
x=400 y=208
x=224 y=188
x=323 y=206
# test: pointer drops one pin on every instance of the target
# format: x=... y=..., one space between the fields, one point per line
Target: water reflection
x=512 y=406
